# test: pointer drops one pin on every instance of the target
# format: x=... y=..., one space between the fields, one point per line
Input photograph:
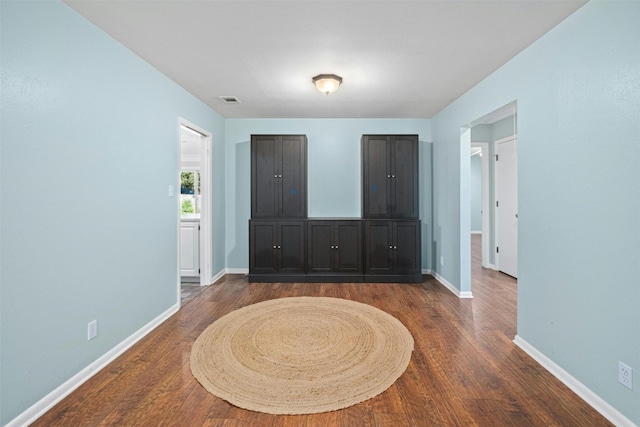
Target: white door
x=507 y=206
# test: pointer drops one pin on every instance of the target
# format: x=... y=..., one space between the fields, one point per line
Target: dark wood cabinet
x=334 y=248
x=276 y=248
x=278 y=176
x=390 y=176
x=393 y=251
x=382 y=246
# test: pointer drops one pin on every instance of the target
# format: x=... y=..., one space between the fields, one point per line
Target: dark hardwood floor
x=465 y=370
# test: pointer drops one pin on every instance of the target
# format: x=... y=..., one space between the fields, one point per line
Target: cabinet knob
x=388 y=176
x=393 y=176
x=275 y=176
x=395 y=247
x=390 y=247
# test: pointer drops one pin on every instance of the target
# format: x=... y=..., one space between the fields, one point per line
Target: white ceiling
x=397 y=58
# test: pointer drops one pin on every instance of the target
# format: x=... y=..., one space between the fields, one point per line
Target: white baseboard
x=218 y=276
x=453 y=289
x=598 y=403
x=43 y=405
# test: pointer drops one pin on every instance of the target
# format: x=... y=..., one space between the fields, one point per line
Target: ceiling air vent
x=230 y=99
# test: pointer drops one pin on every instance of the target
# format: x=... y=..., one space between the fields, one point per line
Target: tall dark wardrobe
x=383 y=245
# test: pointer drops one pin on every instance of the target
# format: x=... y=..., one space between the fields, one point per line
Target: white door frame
x=509 y=138
x=206 y=237
x=486 y=229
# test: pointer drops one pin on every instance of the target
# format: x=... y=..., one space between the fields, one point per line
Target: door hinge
x=497 y=249
x=497 y=204
x=198 y=227
x=496 y=157
x=198 y=271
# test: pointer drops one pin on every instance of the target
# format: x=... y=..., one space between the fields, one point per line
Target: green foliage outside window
x=189 y=190
x=186 y=182
x=187 y=206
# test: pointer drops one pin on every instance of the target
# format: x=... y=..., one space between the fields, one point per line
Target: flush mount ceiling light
x=327 y=83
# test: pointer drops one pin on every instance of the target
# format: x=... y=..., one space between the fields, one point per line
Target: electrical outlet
x=441 y=260
x=92 y=330
x=625 y=375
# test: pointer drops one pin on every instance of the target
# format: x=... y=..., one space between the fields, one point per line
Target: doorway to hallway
x=493 y=138
x=194 y=208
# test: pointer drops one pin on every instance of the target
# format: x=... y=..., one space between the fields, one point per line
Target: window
x=190 y=199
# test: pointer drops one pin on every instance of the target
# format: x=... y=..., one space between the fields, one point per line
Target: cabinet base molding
x=277 y=278
x=334 y=278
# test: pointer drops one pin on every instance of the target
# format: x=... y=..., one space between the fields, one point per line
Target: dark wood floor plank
x=359 y=415
x=464 y=370
x=390 y=420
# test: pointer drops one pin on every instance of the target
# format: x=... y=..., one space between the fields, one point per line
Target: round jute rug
x=301 y=355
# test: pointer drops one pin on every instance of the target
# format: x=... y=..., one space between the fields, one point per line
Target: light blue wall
x=88 y=149
x=476 y=193
x=481 y=133
x=578 y=95
x=333 y=171
x=504 y=128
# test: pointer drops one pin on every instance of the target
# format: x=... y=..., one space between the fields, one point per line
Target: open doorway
x=493 y=192
x=479 y=195
x=194 y=204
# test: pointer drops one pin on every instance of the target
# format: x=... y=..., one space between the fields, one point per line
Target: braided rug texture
x=301 y=355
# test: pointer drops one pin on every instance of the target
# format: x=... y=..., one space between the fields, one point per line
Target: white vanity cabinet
x=190 y=246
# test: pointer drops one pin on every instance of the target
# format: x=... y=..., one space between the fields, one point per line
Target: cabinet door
x=378 y=247
x=404 y=176
x=293 y=172
x=264 y=176
x=263 y=247
x=291 y=247
x=376 y=177
x=189 y=248
x=320 y=249
x=407 y=258
x=348 y=246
